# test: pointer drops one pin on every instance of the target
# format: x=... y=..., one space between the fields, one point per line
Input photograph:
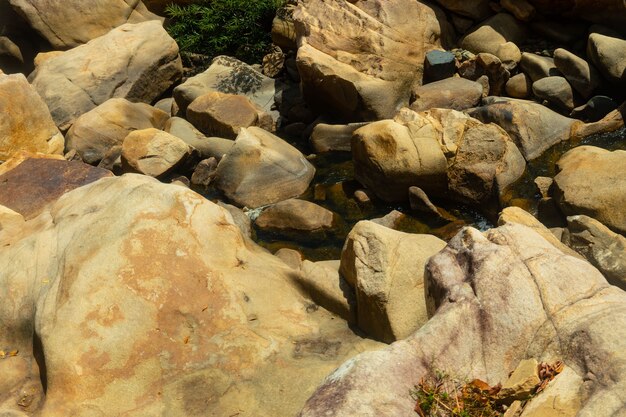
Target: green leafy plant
x=239 y=28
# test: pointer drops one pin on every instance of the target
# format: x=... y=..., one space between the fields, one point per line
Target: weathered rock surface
x=592 y=181
x=94 y=133
x=496 y=299
x=452 y=93
x=497 y=35
x=262 y=169
x=605 y=249
x=325 y=137
x=609 y=56
x=207 y=147
x=299 y=219
x=82 y=78
x=223 y=115
x=386 y=269
x=370 y=79
x=154 y=152
x=25 y=122
x=229 y=76
x=170 y=310
x=556 y=90
x=533 y=127
x=37 y=182
x=69 y=24
x=582 y=75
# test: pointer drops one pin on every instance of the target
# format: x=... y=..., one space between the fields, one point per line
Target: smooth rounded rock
x=519 y=86
x=609 y=56
x=154 y=152
x=451 y=93
x=298 y=219
x=582 y=76
x=555 y=90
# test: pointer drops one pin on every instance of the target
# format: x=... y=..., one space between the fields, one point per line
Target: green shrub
x=239 y=28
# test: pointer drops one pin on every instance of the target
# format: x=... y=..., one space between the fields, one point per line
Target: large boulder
x=68 y=24
x=94 y=133
x=170 y=310
x=230 y=76
x=609 y=56
x=37 y=182
x=76 y=81
x=533 y=127
x=496 y=299
x=359 y=60
x=451 y=93
x=25 y=122
x=262 y=169
x=605 y=249
x=386 y=268
x=592 y=181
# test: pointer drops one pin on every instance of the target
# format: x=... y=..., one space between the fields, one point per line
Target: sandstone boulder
x=37 y=182
x=609 y=56
x=605 y=249
x=537 y=66
x=69 y=24
x=582 y=75
x=496 y=299
x=82 y=78
x=556 y=90
x=262 y=169
x=94 y=133
x=223 y=115
x=25 y=122
x=207 y=147
x=371 y=78
x=230 y=76
x=497 y=35
x=451 y=93
x=386 y=269
x=592 y=181
x=154 y=152
x=170 y=310
x=299 y=219
x=325 y=137
x=533 y=127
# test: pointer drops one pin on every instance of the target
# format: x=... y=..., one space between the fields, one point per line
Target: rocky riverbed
x=401 y=192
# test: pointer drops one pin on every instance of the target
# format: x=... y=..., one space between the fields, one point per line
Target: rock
x=486 y=164
x=522 y=382
x=326 y=287
x=328 y=138
x=562 y=397
x=537 y=66
x=495 y=299
x=451 y=93
x=519 y=86
x=94 y=133
x=392 y=220
x=273 y=63
x=600 y=246
x=262 y=169
x=37 y=182
x=291 y=257
x=438 y=65
x=154 y=152
x=370 y=79
x=609 y=56
x=204 y=172
x=229 y=76
x=25 y=122
x=489 y=66
x=476 y=10
x=533 y=127
x=82 y=78
x=241 y=219
x=22 y=156
x=207 y=147
x=607 y=12
x=297 y=219
x=555 y=90
x=11 y=58
x=112 y=160
x=389 y=157
x=419 y=201
x=543 y=185
x=11 y=224
x=223 y=115
x=386 y=269
x=592 y=181
x=498 y=36
x=582 y=76
x=595 y=109
x=284 y=31
x=165 y=309
x=51 y=19
x=521 y=9
x=165 y=105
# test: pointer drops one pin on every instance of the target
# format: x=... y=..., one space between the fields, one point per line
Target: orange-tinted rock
x=35 y=183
